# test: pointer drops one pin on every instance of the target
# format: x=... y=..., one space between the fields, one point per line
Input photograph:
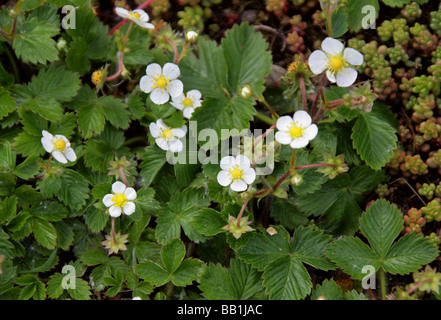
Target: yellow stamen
x=187 y=102
x=236 y=173
x=59 y=145
x=336 y=63
x=295 y=131
x=161 y=82
x=119 y=200
x=134 y=15
x=167 y=134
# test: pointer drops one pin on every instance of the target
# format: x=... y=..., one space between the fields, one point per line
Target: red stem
x=260 y=138
x=123 y=176
x=119 y=25
x=315 y=166
x=175 y=49
x=120 y=67
x=241 y=212
x=302 y=86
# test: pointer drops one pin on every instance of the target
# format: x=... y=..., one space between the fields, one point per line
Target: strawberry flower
x=120 y=200
x=58 y=146
x=140 y=17
x=236 y=173
x=337 y=61
x=162 y=83
x=167 y=138
x=188 y=102
x=296 y=131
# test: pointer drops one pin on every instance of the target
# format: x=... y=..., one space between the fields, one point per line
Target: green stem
x=383 y=284
x=264 y=118
x=14 y=65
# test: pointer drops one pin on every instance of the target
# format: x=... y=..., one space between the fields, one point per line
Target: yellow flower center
x=167 y=134
x=187 y=102
x=97 y=77
x=236 y=173
x=161 y=82
x=119 y=200
x=295 y=131
x=134 y=15
x=59 y=145
x=336 y=63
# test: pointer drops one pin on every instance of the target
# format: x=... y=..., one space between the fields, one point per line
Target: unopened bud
x=191 y=36
x=246 y=91
x=297 y=180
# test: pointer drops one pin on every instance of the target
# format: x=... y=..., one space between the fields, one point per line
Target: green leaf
x=328 y=290
x=28 y=168
x=286 y=279
x=239 y=282
x=7 y=103
x=44 y=232
x=115 y=111
x=8 y=209
x=209 y=222
x=374 y=139
x=91 y=120
x=153 y=160
x=247 y=58
x=396 y=3
x=172 y=254
x=285 y=276
x=381 y=224
x=355 y=11
x=339 y=22
x=33 y=41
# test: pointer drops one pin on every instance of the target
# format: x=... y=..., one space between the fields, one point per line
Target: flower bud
x=191 y=36
x=246 y=91
x=297 y=180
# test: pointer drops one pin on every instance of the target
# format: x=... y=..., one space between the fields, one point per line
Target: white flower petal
x=123 y=13
x=147 y=84
x=160 y=123
x=118 y=187
x=311 y=132
x=239 y=186
x=175 y=88
x=180 y=132
x=142 y=24
x=283 y=123
x=159 y=96
x=194 y=94
x=176 y=145
x=70 y=154
x=302 y=118
x=130 y=194
x=154 y=129
x=188 y=112
x=171 y=70
x=283 y=137
x=243 y=161
x=107 y=200
x=153 y=70
x=249 y=175
x=47 y=135
x=353 y=57
x=223 y=178
x=47 y=144
x=332 y=46
x=331 y=76
x=299 y=143
x=227 y=162
x=177 y=101
x=129 y=208
x=115 y=212
x=346 y=77
x=59 y=156
x=317 y=61
x=162 y=143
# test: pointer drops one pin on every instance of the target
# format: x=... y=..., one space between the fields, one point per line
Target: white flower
x=297 y=131
x=140 y=17
x=120 y=200
x=336 y=60
x=188 y=102
x=58 y=146
x=236 y=173
x=162 y=82
x=167 y=138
